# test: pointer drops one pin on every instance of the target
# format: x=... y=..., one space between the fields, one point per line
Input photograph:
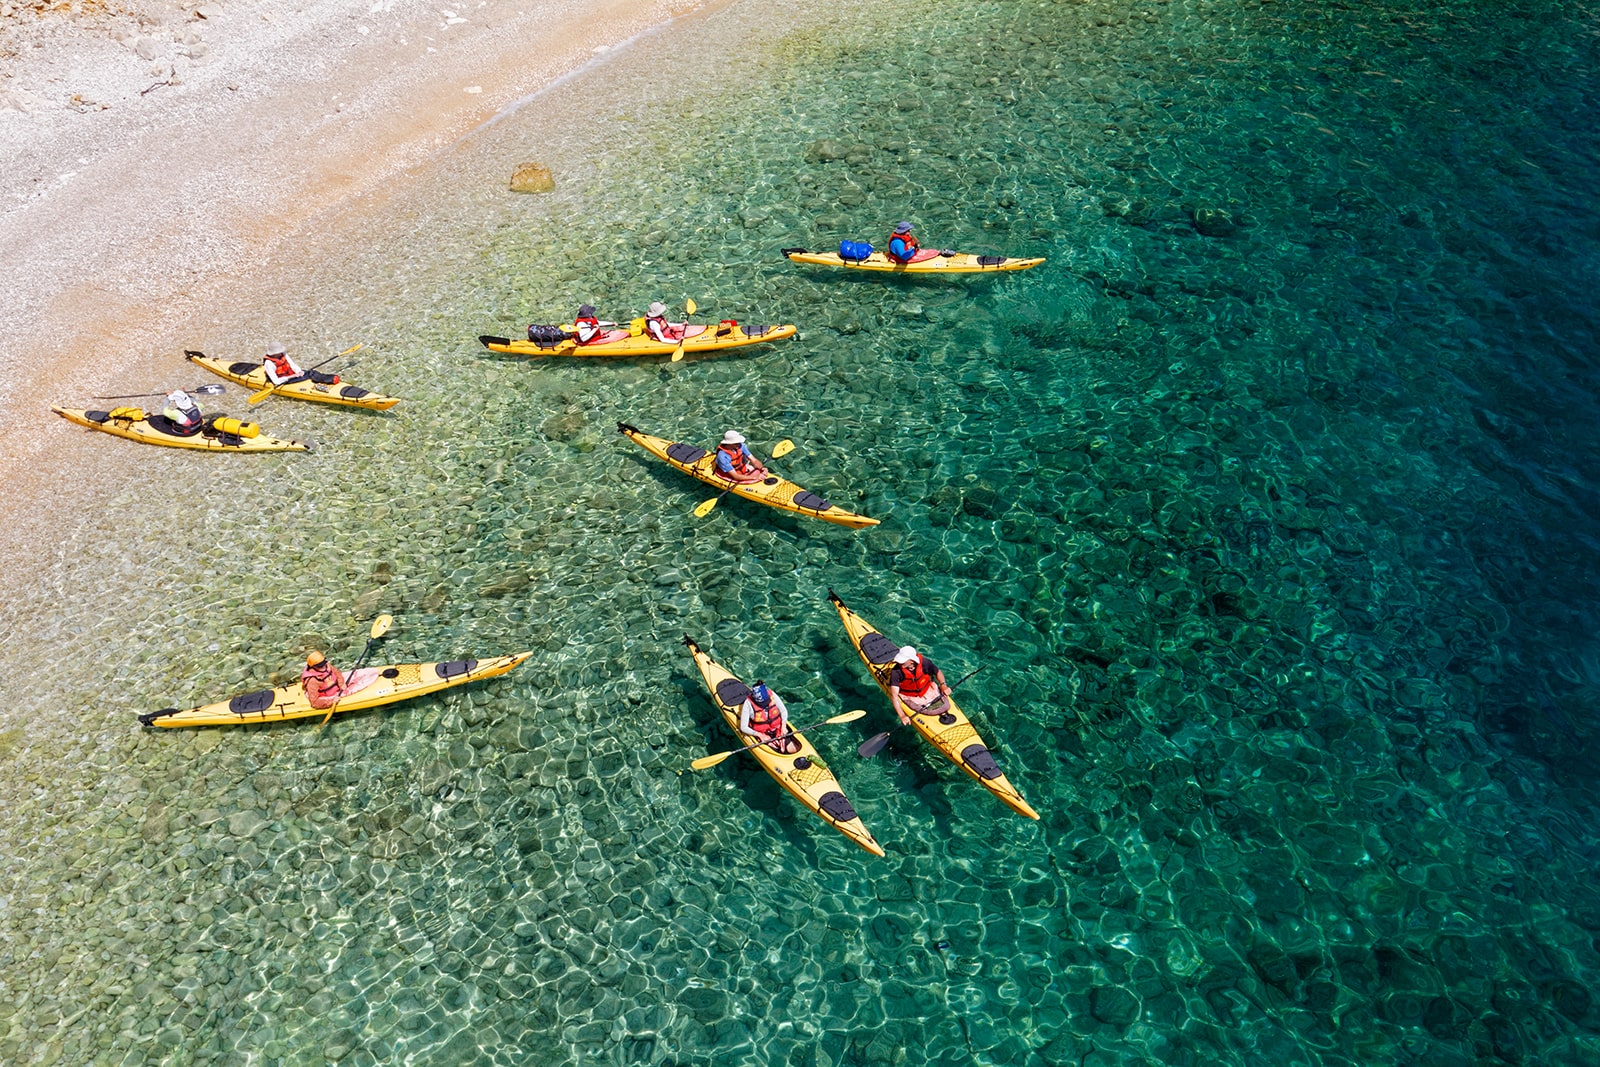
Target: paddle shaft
x=711 y=761
x=208 y=389
x=875 y=744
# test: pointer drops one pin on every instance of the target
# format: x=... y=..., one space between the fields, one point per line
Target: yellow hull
x=146 y=432
x=802 y=773
x=395 y=683
x=714 y=339
x=958 y=263
x=252 y=376
x=951 y=733
x=773 y=491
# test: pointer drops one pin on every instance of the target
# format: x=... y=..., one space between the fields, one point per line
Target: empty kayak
x=623 y=343
x=136 y=425
x=773 y=491
x=950 y=732
x=254 y=376
x=954 y=263
x=802 y=773
x=399 y=682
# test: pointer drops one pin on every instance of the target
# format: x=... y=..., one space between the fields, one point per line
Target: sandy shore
x=164 y=158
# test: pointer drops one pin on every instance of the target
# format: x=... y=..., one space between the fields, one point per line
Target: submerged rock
x=1214 y=221
x=532 y=178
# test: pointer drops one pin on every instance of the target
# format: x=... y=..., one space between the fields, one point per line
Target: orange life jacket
x=915 y=678
x=283 y=366
x=764 y=718
x=735 y=454
x=906 y=239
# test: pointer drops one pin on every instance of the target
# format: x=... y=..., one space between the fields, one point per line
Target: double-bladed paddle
x=715 y=758
x=874 y=744
x=380 y=626
x=271 y=388
x=779 y=450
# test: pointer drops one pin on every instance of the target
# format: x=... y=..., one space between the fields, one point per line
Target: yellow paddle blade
x=677 y=353
x=782 y=448
x=380 y=625
x=689 y=308
x=850 y=716
x=704 y=508
x=256 y=398
x=711 y=761
x=352 y=348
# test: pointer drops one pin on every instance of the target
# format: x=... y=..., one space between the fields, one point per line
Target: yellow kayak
x=802 y=773
x=951 y=732
x=773 y=491
x=136 y=425
x=954 y=263
x=254 y=377
x=399 y=682
x=624 y=343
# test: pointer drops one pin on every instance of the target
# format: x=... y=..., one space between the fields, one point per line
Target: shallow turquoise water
x=1266 y=502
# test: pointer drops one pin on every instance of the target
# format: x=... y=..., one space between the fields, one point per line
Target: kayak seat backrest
x=757 y=331
x=807 y=499
x=244 y=366
x=977 y=757
x=97 y=416
x=837 y=806
x=352 y=392
x=162 y=424
x=454 y=667
x=253 y=703
x=732 y=692
x=878 y=648
x=684 y=452
x=990 y=261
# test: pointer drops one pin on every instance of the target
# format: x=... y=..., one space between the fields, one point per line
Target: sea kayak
x=135 y=425
x=802 y=773
x=939 y=263
x=253 y=376
x=773 y=491
x=950 y=732
x=399 y=682
x=624 y=343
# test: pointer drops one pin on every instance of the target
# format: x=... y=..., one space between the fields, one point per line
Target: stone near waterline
x=532 y=178
x=826 y=150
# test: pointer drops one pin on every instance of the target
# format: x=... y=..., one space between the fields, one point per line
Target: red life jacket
x=906 y=239
x=764 y=718
x=915 y=679
x=735 y=454
x=592 y=323
x=283 y=366
x=323 y=684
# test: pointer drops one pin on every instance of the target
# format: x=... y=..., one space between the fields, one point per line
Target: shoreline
x=162 y=204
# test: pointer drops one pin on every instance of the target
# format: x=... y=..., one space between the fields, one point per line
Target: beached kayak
x=955 y=263
x=802 y=772
x=136 y=425
x=950 y=732
x=399 y=682
x=772 y=491
x=625 y=343
x=254 y=377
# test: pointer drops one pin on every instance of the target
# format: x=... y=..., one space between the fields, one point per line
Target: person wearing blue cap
x=765 y=716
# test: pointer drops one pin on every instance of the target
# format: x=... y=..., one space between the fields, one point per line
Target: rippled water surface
x=1267 y=505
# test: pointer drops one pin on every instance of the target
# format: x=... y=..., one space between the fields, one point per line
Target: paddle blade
x=209 y=389
x=689 y=308
x=256 y=398
x=850 y=716
x=677 y=353
x=873 y=745
x=380 y=625
x=704 y=508
x=352 y=348
x=711 y=761
x=782 y=448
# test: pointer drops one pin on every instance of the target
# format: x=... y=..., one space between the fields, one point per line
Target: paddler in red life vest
x=325 y=684
x=916 y=685
x=657 y=326
x=903 y=247
x=734 y=461
x=281 y=370
x=764 y=715
x=183 y=413
x=588 y=328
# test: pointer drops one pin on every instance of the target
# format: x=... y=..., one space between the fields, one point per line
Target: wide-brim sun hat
x=904 y=227
x=658 y=308
x=586 y=311
x=905 y=655
x=315 y=659
x=276 y=349
x=733 y=437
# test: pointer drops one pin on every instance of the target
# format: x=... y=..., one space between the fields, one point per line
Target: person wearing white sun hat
x=734 y=461
x=916 y=685
x=657 y=326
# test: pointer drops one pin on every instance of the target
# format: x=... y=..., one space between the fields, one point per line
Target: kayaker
x=325 y=684
x=734 y=461
x=765 y=715
x=657 y=326
x=183 y=413
x=916 y=685
x=903 y=247
x=588 y=328
x=281 y=370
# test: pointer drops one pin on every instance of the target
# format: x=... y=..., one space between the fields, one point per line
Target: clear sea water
x=1267 y=504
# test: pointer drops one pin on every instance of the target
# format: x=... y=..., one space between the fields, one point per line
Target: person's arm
x=724 y=464
x=751 y=457
x=744 y=716
x=783 y=712
x=938 y=676
x=895 y=702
